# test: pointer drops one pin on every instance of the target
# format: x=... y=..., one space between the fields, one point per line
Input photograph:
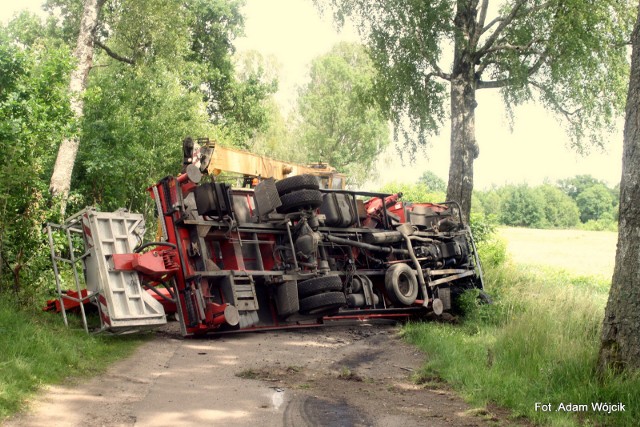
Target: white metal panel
x=123 y=303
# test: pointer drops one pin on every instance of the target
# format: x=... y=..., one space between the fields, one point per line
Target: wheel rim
x=404 y=285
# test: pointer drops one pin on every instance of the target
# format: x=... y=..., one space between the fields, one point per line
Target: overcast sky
x=294 y=33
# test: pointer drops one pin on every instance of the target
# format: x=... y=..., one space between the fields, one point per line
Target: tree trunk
x=61 y=177
x=464 y=149
x=620 y=341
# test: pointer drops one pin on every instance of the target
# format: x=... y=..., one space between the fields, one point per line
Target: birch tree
x=83 y=53
x=620 y=342
x=569 y=55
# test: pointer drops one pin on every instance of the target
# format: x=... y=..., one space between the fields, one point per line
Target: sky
x=535 y=150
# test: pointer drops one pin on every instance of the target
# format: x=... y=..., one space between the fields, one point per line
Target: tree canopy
x=162 y=70
x=34 y=114
x=550 y=205
x=338 y=123
x=433 y=182
x=569 y=55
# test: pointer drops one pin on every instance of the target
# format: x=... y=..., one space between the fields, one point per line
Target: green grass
x=538 y=343
x=37 y=349
x=579 y=251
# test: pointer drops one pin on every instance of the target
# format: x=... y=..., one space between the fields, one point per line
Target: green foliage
x=38 y=350
x=566 y=54
x=594 y=202
x=493 y=252
x=134 y=121
x=34 y=114
x=560 y=211
x=606 y=223
x=538 y=342
x=193 y=39
x=522 y=207
x=491 y=248
x=582 y=201
x=433 y=182
x=575 y=185
x=488 y=201
x=339 y=126
x=413 y=192
x=233 y=104
x=167 y=72
x=278 y=140
x=483 y=227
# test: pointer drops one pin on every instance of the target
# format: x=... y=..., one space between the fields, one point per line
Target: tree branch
x=493 y=22
x=484 y=65
x=535 y=9
x=493 y=84
x=528 y=11
x=567 y=114
x=523 y=49
x=481 y=19
x=536 y=65
x=113 y=54
x=437 y=71
x=504 y=21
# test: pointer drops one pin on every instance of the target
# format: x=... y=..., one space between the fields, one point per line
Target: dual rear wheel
x=299 y=192
x=321 y=295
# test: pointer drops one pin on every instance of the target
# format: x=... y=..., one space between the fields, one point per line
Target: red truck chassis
x=286 y=254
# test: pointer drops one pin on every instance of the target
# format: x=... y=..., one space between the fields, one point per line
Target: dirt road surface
x=334 y=376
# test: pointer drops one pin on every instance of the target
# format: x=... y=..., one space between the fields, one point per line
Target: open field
x=579 y=251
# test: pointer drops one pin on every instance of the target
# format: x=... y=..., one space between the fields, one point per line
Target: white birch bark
x=68 y=150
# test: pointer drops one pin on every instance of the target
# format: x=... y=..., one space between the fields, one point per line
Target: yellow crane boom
x=225 y=159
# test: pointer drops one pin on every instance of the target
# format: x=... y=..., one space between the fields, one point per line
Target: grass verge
x=37 y=349
x=538 y=343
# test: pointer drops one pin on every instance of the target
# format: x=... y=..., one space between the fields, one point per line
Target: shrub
x=491 y=248
x=493 y=252
x=483 y=227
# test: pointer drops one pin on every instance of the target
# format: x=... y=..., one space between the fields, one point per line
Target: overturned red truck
x=284 y=254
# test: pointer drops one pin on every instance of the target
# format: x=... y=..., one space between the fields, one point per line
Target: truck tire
x=287 y=301
x=297 y=182
x=322 y=303
x=319 y=285
x=300 y=199
x=484 y=298
x=401 y=284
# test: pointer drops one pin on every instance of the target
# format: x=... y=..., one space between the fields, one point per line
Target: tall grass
x=37 y=349
x=538 y=343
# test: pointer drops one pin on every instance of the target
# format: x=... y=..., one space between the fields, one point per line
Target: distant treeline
x=582 y=201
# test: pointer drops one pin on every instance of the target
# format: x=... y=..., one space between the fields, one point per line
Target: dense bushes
x=180 y=80
x=492 y=249
x=34 y=114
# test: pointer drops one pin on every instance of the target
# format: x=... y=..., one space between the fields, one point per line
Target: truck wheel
x=319 y=285
x=484 y=298
x=297 y=182
x=287 y=298
x=401 y=284
x=300 y=199
x=322 y=303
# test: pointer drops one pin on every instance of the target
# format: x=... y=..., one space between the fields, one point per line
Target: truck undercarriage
x=286 y=254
